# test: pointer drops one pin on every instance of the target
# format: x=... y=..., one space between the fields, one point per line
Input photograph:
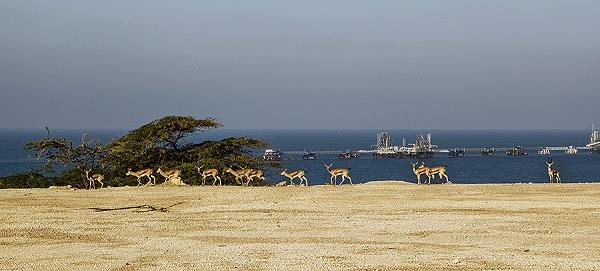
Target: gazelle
x=94 y=178
x=418 y=170
x=252 y=173
x=344 y=172
x=236 y=173
x=431 y=171
x=554 y=174
x=209 y=172
x=147 y=172
x=170 y=175
x=295 y=174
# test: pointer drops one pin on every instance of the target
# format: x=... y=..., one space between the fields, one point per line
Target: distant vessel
x=516 y=151
x=272 y=155
x=487 y=152
x=456 y=153
x=309 y=156
x=421 y=149
x=571 y=150
x=544 y=151
x=348 y=154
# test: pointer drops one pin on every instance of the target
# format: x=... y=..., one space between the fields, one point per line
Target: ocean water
x=473 y=168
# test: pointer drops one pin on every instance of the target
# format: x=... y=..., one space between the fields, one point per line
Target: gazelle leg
x=350 y=180
x=343 y=179
x=331 y=181
x=292 y=181
x=101 y=184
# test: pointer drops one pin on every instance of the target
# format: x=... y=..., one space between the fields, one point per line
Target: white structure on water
x=594 y=140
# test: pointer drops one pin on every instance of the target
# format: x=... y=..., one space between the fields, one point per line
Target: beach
x=386 y=225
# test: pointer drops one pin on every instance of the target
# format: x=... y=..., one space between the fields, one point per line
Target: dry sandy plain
x=375 y=226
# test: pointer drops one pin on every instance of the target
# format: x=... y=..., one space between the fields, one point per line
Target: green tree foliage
x=164 y=143
x=161 y=143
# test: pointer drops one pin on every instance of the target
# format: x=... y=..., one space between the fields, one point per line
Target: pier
x=423 y=148
x=440 y=150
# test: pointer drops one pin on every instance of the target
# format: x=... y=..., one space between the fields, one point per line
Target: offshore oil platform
x=594 y=145
x=421 y=149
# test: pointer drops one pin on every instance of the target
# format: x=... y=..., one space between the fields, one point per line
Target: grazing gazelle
x=344 y=172
x=431 y=171
x=418 y=170
x=94 y=178
x=147 y=172
x=209 y=172
x=295 y=174
x=554 y=174
x=170 y=175
x=239 y=177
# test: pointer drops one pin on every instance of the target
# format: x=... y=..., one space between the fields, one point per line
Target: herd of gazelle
x=174 y=176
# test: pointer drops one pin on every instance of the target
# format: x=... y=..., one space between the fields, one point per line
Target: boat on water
x=272 y=155
x=487 y=152
x=456 y=153
x=516 y=151
x=544 y=151
x=309 y=156
x=348 y=154
x=571 y=150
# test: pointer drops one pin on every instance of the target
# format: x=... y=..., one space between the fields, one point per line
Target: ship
x=421 y=149
x=571 y=150
x=488 y=152
x=516 y=151
x=272 y=155
x=348 y=154
x=309 y=156
x=456 y=153
x=544 y=151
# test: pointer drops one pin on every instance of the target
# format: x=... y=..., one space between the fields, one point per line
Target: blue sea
x=473 y=168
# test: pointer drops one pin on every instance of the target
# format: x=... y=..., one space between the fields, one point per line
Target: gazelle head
x=284 y=172
x=328 y=166
x=549 y=162
x=129 y=172
x=199 y=168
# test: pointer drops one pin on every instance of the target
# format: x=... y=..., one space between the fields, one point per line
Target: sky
x=423 y=64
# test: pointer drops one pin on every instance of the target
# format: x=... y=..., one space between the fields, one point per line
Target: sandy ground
x=375 y=226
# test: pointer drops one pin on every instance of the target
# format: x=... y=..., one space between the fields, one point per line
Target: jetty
x=423 y=148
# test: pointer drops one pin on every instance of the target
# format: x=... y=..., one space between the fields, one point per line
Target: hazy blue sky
x=301 y=64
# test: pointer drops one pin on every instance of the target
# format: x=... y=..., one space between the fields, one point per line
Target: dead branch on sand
x=141 y=208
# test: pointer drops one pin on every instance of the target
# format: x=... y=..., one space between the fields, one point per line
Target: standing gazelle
x=94 y=178
x=344 y=172
x=295 y=174
x=147 y=172
x=431 y=171
x=554 y=174
x=209 y=172
x=418 y=170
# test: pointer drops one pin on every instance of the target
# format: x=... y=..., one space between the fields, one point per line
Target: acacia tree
x=165 y=143
x=161 y=143
x=62 y=152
